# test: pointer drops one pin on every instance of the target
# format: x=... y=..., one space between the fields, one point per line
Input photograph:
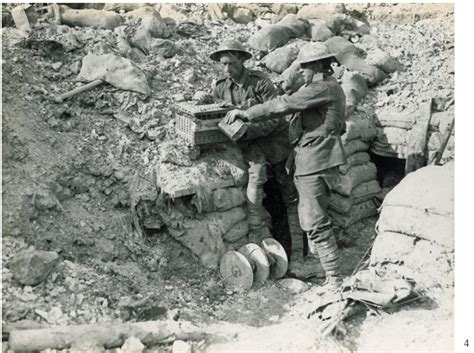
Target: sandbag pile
x=416 y=230
x=199 y=198
x=277 y=35
x=354 y=197
x=393 y=132
x=353 y=58
x=396 y=132
x=210 y=224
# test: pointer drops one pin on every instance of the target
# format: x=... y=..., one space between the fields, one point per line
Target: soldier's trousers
x=257 y=170
x=314 y=192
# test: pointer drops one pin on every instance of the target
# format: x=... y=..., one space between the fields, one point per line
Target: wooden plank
x=21 y=20
x=191 y=190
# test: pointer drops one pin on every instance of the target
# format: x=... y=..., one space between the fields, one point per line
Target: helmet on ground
x=317 y=51
x=231 y=45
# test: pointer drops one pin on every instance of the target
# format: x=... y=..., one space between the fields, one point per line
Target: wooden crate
x=198 y=124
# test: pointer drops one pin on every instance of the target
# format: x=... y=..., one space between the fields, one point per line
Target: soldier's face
x=232 y=65
x=308 y=71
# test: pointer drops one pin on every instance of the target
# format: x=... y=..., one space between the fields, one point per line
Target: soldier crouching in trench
x=264 y=143
x=315 y=134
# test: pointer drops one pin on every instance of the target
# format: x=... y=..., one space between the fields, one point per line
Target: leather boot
x=300 y=267
x=329 y=255
x=258 y=229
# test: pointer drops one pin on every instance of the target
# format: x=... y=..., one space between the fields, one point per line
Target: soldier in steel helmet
x=265 y=144
x=316 y=136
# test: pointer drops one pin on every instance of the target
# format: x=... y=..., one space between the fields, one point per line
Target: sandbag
x=357 y=213
x=195 y=235
x=354 y=87
x=219 y=200
x=238 y=231
x=392 y=151
x=291 y=79
x=236 y=245
x=368 y=41
x=354 y=146
x=319 y=31
x=281 y=58
x=220 y=223
x=354 y=62
x=320 y=11
x=173 y=12
x=428 y=264
x=141 y=12
x=89 y=18
x=341 y=23
x=422 y=205
x=281 y=9
x=298 y=26
x=383 y=61
x=392 y=135
x=358 y=158
x=390 y=118
x=366 y=190
x=217 y=12
x=225 y=199
x=362 y=193
x=340 y=45
x=271 y=37
x=117 y=71
x=360 y=128
x=259 y=10
x=153 y=24
x=418 y=223
x=354 y=177
x=114 y=6
x=242 y=15
x=429 y=188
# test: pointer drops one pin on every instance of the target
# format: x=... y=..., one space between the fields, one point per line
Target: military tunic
x=321 y=100
x=255 y=88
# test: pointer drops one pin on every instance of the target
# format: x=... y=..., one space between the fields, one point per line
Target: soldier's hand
x=331 y=127
x=235 y=114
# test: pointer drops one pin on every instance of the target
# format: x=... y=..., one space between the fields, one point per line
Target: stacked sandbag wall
x=356 y=194
x=208 y=223
x=416 y=230
x=395 y=130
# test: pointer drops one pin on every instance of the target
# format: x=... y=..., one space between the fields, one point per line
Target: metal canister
x=235 y=130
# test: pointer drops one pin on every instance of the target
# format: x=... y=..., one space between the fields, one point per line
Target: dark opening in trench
x=390 y=170
x=273 y=203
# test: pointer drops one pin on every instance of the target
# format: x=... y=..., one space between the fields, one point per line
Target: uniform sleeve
x=266 y=89
x=263 y=128
x=216 y=93
x=306 y=97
